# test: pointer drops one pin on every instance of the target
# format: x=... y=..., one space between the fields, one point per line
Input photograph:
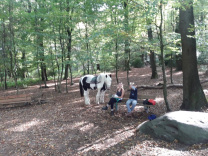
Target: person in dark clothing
x=132 y=101
x=116 y=98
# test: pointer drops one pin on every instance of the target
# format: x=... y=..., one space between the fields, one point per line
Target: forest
x=56 y=39
x=47 y=45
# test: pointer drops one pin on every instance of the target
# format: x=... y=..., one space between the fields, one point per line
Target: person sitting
x=116 y=98
x=132 y=101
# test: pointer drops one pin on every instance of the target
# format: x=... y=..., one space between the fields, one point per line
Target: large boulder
x=185 y=126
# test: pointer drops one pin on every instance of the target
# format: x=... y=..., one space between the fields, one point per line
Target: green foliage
x=202 y=58
x=38 y=30
x=23 y=83
x=137 y=63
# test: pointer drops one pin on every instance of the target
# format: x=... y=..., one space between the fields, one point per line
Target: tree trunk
x=153 y=65
x=23 y=58
x=193 y=95
x=171 y=68
x=4 y=56
x=42 y=55
x=12 y=47
x=5 y=79
x=69 y=33
x=152 y=55
x=162 y=59
x=87 y=48
x=127 y=43
x=116 y=48
x=179 y=62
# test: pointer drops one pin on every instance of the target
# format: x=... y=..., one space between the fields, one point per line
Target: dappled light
x=109 y=141
x=77 y=124
x=159 y=100
x=205 y=92
x=26 y=126
x=64 y=125
x=178 y=73
x=88 y=127
x=94 y=77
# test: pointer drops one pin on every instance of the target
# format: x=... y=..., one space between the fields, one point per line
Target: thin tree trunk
x=116 y=43
x=87 y=47
x=152 y=56
x=171 y=67
x=116 y=49
x=12 y=47
x=5 y=80
x=4 y=53
x=127 y=43
x=69 y=33
x=162 y=58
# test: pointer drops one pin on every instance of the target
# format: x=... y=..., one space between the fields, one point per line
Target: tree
x=152 y=56
x=193 y=95
x=150 y=38
x=127 y=42
x=162 y=55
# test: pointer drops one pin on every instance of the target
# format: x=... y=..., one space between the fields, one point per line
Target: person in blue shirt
x=132 y=101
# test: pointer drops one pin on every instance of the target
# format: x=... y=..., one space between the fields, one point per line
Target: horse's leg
x=102 y=95
x=87 y=99
x=98 y=96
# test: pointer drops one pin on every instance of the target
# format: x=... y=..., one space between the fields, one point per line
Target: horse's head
x=105 y=78
x=108 y=80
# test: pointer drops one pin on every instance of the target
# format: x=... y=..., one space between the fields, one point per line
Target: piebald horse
x=102 y=82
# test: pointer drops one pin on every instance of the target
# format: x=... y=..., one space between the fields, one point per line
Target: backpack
x=149 y=102
x=153 y=102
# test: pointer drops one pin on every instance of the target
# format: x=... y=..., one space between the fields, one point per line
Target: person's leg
x=134 y=102
x=128 y=102
x=109 y=103
x=112 y=105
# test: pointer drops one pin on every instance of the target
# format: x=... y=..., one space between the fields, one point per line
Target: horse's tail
x=81 y=88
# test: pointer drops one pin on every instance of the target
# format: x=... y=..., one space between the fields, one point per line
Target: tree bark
x=127 y=43
x=162 y=58
x=152 y=54
x=178 y=62
x=69 y=44
x=193 y=95
x=4 y=56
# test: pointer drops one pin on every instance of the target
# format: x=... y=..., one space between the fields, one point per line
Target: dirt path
x=65 y=126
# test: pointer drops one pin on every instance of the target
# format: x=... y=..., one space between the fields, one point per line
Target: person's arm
x=122 y=94
x=115 y=95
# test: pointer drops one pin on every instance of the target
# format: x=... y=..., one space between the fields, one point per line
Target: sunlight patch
x=87 y=127
x=105 y=143
x=178 y=73
x=77 y=124
x=159 y=100
x=72 y=91
x=205 y=92
x=26 y=126
x=145 y=75
x=148 y=148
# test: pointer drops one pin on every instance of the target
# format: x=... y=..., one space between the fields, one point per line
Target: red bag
x=153 y=102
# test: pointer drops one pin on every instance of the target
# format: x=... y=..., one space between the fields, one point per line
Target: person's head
x=132 y=85
x=120 y=85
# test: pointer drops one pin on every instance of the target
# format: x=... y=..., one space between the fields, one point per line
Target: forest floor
x=65 y=126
